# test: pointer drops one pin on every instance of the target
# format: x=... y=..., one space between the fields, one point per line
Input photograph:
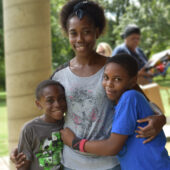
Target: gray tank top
x=89 y=116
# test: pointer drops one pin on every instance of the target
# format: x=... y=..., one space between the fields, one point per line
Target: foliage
x=116 y=9
x=153 y=19
x=151 y=16
x=61 y=49
x=163 y=81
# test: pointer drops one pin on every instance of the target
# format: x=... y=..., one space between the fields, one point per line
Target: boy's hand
x=17 y=158
x=13 y=155
x=155 y=124
x=67 y=136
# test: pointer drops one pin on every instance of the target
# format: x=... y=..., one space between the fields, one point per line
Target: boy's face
x=53 y=103
x=116 y=80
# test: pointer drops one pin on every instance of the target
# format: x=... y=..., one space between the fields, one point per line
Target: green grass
x=3 y=125
x=165 y=96
x=164 y=83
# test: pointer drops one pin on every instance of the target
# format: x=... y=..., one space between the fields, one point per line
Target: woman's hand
x=67 y=136
x=17 y=158
x=154 y=126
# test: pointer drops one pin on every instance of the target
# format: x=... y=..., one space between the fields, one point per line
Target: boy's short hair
x=127 y=62
x=44 y=84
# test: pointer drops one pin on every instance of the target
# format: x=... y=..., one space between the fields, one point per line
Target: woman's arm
x=152 y=129
x=155 y=122
x=110 y=146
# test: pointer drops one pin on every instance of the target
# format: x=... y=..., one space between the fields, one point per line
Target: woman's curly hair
x=93 y=11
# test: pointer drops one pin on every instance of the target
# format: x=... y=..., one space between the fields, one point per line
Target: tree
x=151 y=16
x=61 y=50
x=116 y=9
x=153 y=19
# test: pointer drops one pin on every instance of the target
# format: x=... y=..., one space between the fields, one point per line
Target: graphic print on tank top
x=87 y=113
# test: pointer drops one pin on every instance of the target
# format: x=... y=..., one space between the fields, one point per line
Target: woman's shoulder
x=102 y=60
x=59 y=68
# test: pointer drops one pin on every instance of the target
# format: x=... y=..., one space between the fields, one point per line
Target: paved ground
x=4 y=163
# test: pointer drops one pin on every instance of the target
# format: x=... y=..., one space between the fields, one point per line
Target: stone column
x=27 y=58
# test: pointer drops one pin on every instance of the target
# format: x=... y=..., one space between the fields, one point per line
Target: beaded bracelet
x=78 y=144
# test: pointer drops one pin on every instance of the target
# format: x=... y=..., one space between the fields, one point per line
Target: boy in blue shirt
x=120 y=77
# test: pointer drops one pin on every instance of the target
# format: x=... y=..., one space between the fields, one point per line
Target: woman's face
x=82 y=35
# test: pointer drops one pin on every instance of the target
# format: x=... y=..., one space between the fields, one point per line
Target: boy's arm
x=25 y=152
x=17 y=158
x=110 y=146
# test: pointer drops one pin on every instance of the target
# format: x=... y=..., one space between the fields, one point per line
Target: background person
x=104 y=49
x=131 y=36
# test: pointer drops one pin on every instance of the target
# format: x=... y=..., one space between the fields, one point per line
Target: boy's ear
x=133 y=81
x=38 y=104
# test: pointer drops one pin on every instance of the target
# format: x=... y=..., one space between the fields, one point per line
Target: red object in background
x=160 y=67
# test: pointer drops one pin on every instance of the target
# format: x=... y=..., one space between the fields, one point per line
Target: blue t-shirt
x=135 y=155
